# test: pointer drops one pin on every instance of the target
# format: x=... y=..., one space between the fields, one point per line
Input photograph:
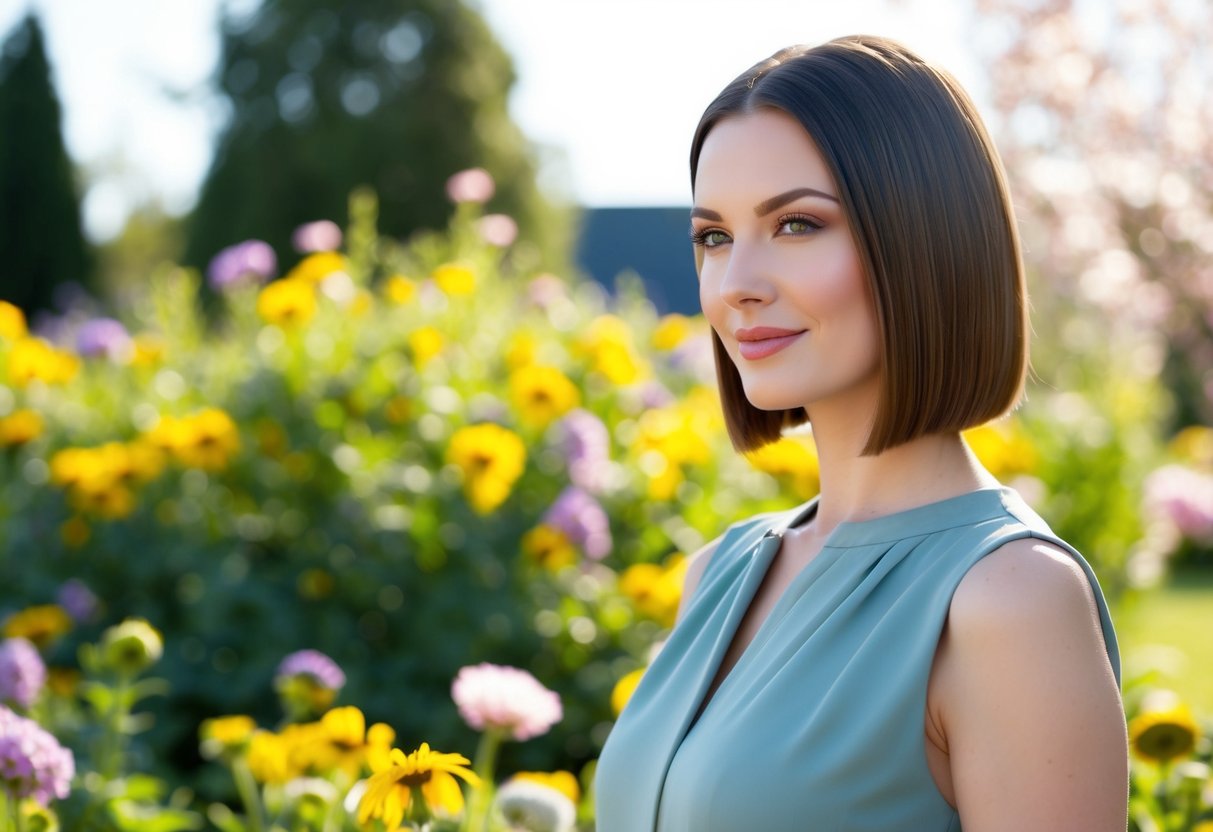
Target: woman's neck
x=856 y=487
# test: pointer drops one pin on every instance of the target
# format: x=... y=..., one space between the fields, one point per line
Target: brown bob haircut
x=925 y=195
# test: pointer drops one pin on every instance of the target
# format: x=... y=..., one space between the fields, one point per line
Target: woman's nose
x=746 y=281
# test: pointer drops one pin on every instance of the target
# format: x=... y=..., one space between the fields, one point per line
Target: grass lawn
x=1171 y=629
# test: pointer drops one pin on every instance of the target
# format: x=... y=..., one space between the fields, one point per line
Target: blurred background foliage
x=325 y=97
x=293 y=473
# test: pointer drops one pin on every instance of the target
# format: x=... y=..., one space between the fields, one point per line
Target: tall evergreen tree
x=40 y=231
x=326 y=96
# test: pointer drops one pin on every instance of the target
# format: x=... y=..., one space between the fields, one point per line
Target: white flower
x=534 y=807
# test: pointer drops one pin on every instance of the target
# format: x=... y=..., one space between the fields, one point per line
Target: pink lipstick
x=762 y=341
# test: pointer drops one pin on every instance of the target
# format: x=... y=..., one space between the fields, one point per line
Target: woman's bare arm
x=1031 y=712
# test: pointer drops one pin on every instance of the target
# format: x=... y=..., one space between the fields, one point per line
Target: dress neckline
x=961 y=510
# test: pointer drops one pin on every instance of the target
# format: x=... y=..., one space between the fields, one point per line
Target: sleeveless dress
x=819 y=725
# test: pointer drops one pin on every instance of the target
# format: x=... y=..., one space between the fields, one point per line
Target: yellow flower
x=671 y=331
x=269 y=757
x=455 y=279
x=549 y=547
x=1164 y=729
x=20 y=427
x=656 y=590
x=624 y=689
x=149 y=350
x=542 y=394
x=316 y=267
x=491 y=458
x=1002 y=448
x=205 y=440
x=792 y=459
x=214 y=440
x=343 y=743
x=1193 y=444
x=287 y=302
x=32 y=359
x=562 y=781
x=226 y=733
x=678 y=432
x=41 y=625
x=608 y=343
x=424 y=776
x=425 y=342
x=104 y=497
x=520 y=350
x=12 y=321
x=399 y=289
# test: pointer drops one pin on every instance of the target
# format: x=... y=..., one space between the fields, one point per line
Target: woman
x=914 y=650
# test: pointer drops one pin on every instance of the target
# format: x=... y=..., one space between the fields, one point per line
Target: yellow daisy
x=455 y=279
x=624 y=689
x=492 y=458
x=549 y=547
x=542 y=394
x=20 y=427
x=287 y=302
x=1164 y=730
x=424 y=779
x=42 y=624
x=399 y=289
x=316 y=267
x=12 y=321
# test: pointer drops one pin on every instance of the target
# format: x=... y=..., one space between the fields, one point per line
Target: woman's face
x=780 y=279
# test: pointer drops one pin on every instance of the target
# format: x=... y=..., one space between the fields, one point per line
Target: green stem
x=114 y=740
x=481 y=804
x=250 y=795
x=14 y=813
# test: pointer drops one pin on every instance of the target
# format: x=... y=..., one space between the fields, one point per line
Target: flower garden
x=382 y=538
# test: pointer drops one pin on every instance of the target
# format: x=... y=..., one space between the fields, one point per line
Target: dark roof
x=649 y=241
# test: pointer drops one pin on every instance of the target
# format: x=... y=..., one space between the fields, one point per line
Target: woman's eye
x=708 y=238
x=799 y=225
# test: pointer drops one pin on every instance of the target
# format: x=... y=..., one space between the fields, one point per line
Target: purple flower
x=582 y=520
x=22 y=672
x=321 y=235
x=80 y=602
x=587 y=447
x=315 y=665
x=247 y=262
x=102 y=336
x=507 y=699
x=32 y=762
x=654 y=395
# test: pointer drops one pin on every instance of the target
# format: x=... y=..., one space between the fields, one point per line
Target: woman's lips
x=753 y=349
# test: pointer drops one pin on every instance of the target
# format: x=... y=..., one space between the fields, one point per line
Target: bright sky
x=613 y=87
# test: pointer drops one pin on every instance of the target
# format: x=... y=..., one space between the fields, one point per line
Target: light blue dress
x=819 y=725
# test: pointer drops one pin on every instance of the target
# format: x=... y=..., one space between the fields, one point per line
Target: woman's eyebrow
x=767 y=206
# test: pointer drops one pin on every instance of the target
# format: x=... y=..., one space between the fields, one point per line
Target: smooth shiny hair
x=926 y=198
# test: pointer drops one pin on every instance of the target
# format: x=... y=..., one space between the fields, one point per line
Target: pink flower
x=471 y=185
x=498 y=229
x=321 y=235
x=492 y=697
